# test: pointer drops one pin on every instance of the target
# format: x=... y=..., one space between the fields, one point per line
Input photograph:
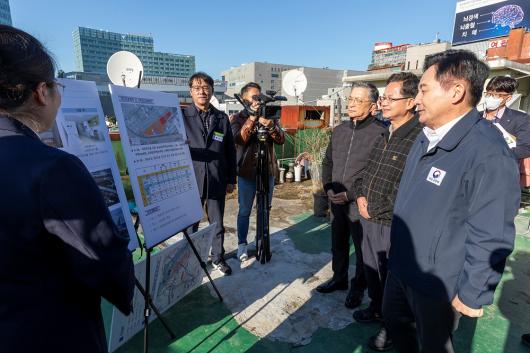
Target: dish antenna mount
x=125 y=69
x=294 y=83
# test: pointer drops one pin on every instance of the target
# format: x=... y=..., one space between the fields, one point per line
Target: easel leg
x=155 y=310
x=148 y=302
x=146 y=299
x=203 y=264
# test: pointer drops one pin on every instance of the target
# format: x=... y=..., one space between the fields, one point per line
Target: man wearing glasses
x=514 y=124
x=346 y=157
x=376 y=189
x=453 y=220
x=214 y=159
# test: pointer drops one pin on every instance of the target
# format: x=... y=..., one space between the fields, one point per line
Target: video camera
x=263 y=249
x=271 y=112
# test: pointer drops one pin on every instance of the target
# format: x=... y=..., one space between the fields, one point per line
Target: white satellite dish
x=125 y=69
x=294 y=83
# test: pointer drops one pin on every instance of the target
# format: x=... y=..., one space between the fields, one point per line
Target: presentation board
x=175 y=271
x=159 y=161
x=80 y=129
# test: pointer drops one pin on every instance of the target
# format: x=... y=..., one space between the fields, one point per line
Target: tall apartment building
x=5 y=13
x=93 y=48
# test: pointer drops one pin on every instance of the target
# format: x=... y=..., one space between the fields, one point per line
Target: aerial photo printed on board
x=105 y=182
x=151 y=124
x=119 y=220
x=180 y=271
x=83 y=125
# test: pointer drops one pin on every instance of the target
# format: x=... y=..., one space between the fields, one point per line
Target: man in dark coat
x=345 y=159
x=214 y=159
x=453 y=224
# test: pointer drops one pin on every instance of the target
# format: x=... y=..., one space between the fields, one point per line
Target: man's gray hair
x=373 y=93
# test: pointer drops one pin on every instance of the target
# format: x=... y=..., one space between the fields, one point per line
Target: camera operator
x=244 y=128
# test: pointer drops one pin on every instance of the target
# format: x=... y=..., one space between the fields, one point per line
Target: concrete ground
x=274 y=307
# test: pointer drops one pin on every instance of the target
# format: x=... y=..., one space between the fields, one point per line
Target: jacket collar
x=192 y=110
x=198 y=111
x=457 y=132
x=405 y=129
x=362 y=123
x=15 y=127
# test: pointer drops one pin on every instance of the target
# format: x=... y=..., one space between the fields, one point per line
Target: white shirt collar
x=436 y=135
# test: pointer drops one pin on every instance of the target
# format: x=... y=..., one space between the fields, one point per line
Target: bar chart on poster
x=164 y=181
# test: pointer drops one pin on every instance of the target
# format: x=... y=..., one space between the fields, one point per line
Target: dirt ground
x=289 y=191
x=289 y=199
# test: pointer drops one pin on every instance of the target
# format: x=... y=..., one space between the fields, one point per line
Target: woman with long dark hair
x=59 y=249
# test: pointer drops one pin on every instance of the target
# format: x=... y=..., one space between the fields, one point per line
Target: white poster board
x=159 y=161
x=80 y=129
x=175 y=271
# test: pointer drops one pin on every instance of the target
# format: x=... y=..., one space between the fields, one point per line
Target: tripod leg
x=260 y=228
x=262 y=186
x=202 y=263
x=265 y=206
x=268 y=254
x=266 y=215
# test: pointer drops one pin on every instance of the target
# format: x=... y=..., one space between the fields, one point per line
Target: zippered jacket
x=347 y=154
x=213 y=152
x=379 y=181
x=246 y=140
x=453 y=223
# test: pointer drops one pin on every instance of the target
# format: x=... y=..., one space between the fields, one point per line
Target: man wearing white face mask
x=514 y=124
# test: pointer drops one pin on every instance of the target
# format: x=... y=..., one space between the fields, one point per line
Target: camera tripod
x=263 y=246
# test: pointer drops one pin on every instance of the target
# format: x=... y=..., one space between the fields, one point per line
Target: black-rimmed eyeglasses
x=392 y=100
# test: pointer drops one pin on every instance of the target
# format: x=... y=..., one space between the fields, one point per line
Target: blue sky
x=225 y=33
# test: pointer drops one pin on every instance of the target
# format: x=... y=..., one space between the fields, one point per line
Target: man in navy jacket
x=214 y=158
x=499 y=91
x=453 y=223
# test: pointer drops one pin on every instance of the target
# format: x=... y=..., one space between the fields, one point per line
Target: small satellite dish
x=294 y=83
x=125 y=69
x=215 y=102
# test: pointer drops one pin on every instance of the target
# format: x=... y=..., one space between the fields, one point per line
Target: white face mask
x=492 y=103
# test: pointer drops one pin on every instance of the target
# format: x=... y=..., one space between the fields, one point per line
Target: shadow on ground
x=203 y=324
